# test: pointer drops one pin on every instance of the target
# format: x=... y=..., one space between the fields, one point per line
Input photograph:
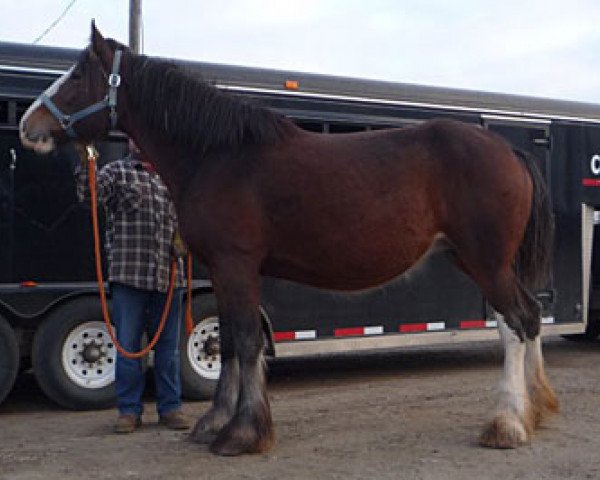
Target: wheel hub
x=92 y=352
x=211 y=346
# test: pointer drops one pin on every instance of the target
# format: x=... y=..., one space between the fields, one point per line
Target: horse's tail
x=534 y=258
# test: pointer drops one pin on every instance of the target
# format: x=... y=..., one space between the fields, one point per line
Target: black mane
x=188 y=111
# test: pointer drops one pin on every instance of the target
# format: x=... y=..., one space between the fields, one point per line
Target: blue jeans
x=134 y=309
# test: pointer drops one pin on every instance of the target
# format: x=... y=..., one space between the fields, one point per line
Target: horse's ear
x=101 y=47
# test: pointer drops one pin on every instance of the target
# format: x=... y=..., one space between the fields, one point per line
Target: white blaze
x=40 y=142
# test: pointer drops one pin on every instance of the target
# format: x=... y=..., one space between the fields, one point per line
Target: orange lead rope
x=92 y=155
x=189 y=319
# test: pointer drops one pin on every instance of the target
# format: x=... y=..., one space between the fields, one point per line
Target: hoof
x=202 y=437
x=504 y=432
x=241 y=439
x=209 y=425
x=204 y=431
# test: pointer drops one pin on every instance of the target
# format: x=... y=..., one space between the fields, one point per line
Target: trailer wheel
x=73 y=356
x=199 y=353
x=9 y=358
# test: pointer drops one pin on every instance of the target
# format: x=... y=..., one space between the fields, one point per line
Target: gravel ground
x=406 y=414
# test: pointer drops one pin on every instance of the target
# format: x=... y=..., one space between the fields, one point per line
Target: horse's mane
x=187 y=110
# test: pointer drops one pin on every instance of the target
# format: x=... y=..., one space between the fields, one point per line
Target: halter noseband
x=109 y=101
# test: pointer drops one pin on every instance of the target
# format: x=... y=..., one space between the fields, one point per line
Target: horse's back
x=354 y=210
x=414 y=172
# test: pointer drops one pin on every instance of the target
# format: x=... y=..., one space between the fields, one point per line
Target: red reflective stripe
x=413 y=327
x=591 y=182
x=284 y=336
x=473 y=324
x=348 y=332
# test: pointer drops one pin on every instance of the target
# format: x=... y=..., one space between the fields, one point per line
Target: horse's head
x=82 y=104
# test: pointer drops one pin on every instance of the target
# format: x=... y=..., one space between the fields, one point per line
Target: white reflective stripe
x=378 y=330
x=536 y=117
x=547 y=320
x=436 y=326
x=491 y=323
x=50 y=71
x=305 y=334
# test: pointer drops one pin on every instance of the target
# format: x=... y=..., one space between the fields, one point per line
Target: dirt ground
x=411 y=414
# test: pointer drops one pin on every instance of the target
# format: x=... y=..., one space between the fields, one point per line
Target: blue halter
x=109 y=101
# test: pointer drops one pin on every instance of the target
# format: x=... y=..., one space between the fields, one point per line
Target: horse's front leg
x=249 y=430
x=227 y=391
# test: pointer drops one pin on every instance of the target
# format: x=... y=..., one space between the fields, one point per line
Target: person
x=140 y=230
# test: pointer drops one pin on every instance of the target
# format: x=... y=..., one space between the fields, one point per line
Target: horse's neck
x=165 y=160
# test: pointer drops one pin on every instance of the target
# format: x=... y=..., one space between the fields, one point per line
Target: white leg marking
x=534 y=363
x=513 y=392
x=511 y=425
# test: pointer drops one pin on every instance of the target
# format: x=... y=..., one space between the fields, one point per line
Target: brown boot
x=175 y=420
x=127 y=423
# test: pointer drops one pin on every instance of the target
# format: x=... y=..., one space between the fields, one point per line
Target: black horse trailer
x=50 y=317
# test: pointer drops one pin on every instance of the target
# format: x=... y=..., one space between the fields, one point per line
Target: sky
x=544 y=48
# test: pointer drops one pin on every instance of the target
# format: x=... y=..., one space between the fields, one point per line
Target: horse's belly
x=348 y=267
x=353 y=241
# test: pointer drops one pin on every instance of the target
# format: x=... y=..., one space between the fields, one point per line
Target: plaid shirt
x=140 y=224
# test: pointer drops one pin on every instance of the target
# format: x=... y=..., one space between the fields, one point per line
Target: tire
x=199 y=353
x=9 y=358
x=73 y=357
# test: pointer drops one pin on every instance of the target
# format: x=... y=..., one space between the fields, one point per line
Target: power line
x=55 y=22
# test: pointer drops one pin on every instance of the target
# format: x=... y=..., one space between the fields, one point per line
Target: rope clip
x=92 y=153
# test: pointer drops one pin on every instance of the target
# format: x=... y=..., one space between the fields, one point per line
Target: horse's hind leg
x=543 y=399
x=525 y=395
x=511 y=425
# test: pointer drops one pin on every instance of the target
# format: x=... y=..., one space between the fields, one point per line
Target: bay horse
x=256 y=195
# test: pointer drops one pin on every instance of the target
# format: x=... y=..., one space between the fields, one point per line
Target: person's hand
x=178 y=246
x=84 y=151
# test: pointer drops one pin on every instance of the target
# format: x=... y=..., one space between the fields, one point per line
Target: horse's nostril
x=31 y=137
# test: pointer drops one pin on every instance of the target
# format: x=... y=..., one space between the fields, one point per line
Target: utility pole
x=135 y=15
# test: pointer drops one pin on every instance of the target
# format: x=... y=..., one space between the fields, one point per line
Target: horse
x=256 y=195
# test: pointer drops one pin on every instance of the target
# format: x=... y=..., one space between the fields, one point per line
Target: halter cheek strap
x=114 y=80
x=109 y=101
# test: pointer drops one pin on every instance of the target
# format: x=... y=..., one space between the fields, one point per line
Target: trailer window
x=310 y=126
x=345 y=128
x=21 y=109
x=4 y=112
